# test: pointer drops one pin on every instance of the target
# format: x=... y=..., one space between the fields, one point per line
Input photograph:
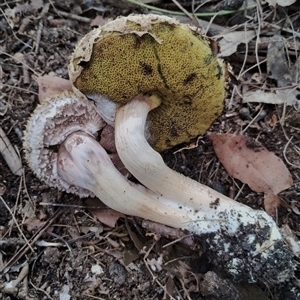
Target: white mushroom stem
x=83 y=162
x=214 y=210
x=244 y=242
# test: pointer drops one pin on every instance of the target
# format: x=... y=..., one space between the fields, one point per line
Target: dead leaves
x=231 y=40
x=51 y=85
x=105 y=215
x=248 y=161
x=283 y=3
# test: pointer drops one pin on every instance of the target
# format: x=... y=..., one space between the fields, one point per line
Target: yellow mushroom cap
x=151 y=53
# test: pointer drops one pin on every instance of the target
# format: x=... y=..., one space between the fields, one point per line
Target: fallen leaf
x=130 y=255
x=285 y=2
x=2 y=190
x=286 y=96
x=37 y=4
x=169 y=288
x=250 y=291
x=271 y=202
x=294 y=207
x=280 y=2
x=230 y=41
x=105 y=215
x=51 y=85
x=97 y=269
x=99 y=21
x=251 y=163
x=271 y=2
x=291 y=239
x=277 y=64
x=34 y=224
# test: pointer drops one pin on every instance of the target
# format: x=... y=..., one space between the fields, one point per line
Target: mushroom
x=167 y=86
x=61 y=142
x=151 y=53
x=62 y=148
x=216 y=211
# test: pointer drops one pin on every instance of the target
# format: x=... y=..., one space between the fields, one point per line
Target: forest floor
x=53 y=244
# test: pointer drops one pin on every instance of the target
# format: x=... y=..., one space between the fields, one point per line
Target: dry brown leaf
x=287 y=96
x=231 y=40
x=271 y=202
x=278 y=67
x=34 y=224
x=248 y=161
x=51 y=85
x=169 y=288
x=283 y=3
x=37 y=4
x=99 y=21
x=291 y=239
x=139 y=245
x=105 y=215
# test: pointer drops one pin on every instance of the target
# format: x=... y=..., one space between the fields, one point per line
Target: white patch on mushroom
x=107 y=108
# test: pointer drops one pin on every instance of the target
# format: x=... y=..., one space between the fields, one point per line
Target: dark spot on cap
x=220 y=72
x=190 y=78
x=146 y=69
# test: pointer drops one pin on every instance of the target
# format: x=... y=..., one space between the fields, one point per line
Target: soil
x=52 y=244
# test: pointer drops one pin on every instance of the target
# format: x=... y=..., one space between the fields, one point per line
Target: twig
x=259 y=14
x=38 y=36
x=252 y=67
x=252 y=121
x=183 y=9
x=154 y=277
x=177 y=240
x=285 y=156
x=61 y=239
x=73 y=16
x=239 y=192
x=32 y=240
x=41 y=290
x=178 y=13
x=246 y=54
x=295 y=33
x=11 y=286
x=16 y=222
x=19 y=61
x=20 y=89
x=9 y=154
x=16 y=242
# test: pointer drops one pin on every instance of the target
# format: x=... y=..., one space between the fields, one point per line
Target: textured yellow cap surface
x=151 y=53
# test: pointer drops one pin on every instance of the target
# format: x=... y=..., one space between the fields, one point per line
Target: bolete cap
x=156 y=54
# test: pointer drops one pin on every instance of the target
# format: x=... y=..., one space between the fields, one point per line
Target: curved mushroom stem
x=235 y=233
x=216 y=211
x=83 y=162
x=246 y=242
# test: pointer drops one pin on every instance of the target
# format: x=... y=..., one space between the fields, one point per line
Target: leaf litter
x=54 y=47
x=250 y=162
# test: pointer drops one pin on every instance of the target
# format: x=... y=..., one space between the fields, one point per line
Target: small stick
x=9 y=154
x=31 y=241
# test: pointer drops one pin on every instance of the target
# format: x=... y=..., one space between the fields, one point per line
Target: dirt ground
x=53 y=246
